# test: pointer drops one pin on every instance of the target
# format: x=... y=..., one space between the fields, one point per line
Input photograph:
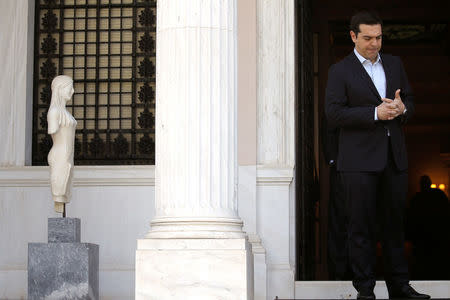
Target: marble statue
x=61 y=126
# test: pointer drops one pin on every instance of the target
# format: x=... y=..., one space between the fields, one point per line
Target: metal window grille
x=108 y=48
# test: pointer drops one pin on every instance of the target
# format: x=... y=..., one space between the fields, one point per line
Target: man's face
x=368 y=41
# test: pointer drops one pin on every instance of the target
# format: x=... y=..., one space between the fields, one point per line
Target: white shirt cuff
x=376 y=115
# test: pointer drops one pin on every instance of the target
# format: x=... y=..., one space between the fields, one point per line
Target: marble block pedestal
x=194 y=269
x=63 y=268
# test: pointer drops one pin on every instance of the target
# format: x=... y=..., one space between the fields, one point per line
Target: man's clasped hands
x=390 y=109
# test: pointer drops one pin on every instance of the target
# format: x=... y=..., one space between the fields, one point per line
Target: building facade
x=117 y=203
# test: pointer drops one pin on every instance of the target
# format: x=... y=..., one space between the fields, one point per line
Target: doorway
x=418 y=32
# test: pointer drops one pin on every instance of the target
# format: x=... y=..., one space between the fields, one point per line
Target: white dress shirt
x=376 y=73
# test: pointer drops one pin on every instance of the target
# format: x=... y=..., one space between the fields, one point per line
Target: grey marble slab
x=63 y=268
x=63 y=271
x=64 y=230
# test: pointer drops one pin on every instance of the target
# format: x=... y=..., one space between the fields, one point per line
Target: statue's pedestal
x=64 y=268
x=194 y=269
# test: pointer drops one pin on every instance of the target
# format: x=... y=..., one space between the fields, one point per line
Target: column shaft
x=196 y=164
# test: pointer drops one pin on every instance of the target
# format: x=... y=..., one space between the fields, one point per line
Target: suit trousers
x=373 y=197
x=338 y=262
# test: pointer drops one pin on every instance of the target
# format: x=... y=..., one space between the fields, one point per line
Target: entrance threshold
x=345 y=290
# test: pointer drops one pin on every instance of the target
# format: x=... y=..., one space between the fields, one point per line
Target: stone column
x=196 y=165
x=196 y=248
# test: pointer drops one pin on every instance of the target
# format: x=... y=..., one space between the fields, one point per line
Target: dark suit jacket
x=329 y=138
x=351 y=98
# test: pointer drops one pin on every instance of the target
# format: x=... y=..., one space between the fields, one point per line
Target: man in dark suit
x=369 y=98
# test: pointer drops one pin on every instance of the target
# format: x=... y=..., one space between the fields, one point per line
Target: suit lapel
x=388 y=72
x=362 y=73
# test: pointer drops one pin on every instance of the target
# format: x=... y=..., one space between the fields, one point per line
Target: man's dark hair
x=364 y=17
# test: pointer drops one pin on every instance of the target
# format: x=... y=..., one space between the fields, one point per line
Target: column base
x=194 y=269
x=204 y=228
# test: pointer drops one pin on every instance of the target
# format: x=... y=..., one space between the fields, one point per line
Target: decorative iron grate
x=108 y=48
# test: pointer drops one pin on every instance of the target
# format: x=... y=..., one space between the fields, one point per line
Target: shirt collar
x=363 y=60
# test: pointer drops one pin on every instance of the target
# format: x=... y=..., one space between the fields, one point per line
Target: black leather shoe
x=365 y=296
x=407 y=292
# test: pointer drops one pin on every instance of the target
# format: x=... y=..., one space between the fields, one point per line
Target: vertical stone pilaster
x=16 y=81
x=276 y=113
x=276 y=83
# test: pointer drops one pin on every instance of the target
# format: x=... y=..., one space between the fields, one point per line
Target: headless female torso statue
x=61 y=126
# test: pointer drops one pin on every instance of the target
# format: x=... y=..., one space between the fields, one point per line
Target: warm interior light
x=442 y=186
x=433 y=186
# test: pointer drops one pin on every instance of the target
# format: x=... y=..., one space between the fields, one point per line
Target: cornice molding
x=83 y=176
x=123 y=176
x=274 y=175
